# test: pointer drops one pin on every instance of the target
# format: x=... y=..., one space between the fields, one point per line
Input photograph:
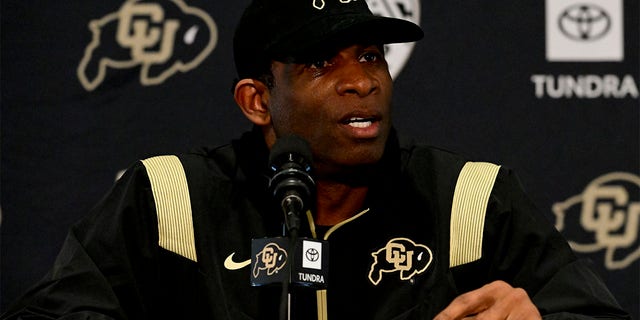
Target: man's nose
x=357 y=79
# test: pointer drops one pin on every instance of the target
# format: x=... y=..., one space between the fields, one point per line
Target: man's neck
x=337 y=202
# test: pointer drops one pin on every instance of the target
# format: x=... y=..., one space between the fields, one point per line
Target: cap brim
x=344 y=30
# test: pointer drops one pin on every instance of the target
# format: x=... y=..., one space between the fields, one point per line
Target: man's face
x=340 y=104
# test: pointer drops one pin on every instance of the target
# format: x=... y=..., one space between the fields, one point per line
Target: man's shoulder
x=205 y=171
x=220 y=160
x=238 y=160
x=425 y=158
x=215 y=160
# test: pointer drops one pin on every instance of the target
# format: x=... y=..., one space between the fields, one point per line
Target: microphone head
x=288 y=149
x=290 y=162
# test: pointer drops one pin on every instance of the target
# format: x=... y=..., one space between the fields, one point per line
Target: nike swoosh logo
x=232 y=265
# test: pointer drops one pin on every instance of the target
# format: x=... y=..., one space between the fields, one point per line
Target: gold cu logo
x=141 y=34
x=162 y=37
x=271 y=258
x=608 y=210
x=400 y=255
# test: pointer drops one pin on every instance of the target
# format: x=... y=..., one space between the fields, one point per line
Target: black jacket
x=111 y=266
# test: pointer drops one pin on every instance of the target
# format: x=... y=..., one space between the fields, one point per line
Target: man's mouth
x=357 y=122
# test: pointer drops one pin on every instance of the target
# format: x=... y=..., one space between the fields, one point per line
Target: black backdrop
x=533 y=85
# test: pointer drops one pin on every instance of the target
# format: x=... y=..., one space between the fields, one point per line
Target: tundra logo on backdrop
x=585 y=31
x=605 y=216
x=160 y=37
x=397 y=54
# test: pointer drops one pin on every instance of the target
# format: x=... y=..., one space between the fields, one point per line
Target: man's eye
x=319 y=64
x=370 y=57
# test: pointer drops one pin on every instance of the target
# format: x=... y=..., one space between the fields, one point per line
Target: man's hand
x=496 y=300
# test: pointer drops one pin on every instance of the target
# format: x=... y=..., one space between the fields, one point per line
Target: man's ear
x=252 y=96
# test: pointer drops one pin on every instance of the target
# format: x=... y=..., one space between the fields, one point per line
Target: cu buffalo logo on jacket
x=401 y=256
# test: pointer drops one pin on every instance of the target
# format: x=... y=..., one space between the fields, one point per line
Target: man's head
x=331 y=83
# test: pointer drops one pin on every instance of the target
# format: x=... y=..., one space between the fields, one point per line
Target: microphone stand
x=292 y=204
x=290 y=160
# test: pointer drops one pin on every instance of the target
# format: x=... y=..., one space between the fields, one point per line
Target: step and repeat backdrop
x=549 y=88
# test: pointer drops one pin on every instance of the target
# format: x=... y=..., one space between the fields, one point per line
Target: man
x=171 y=239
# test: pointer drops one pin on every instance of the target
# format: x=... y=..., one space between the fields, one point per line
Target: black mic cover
x=287 y=147
x=291 y=184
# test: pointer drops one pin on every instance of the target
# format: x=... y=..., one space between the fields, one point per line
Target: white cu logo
x=610 y=214
x=319 y=4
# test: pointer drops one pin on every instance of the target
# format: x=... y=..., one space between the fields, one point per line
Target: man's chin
x=356 y=167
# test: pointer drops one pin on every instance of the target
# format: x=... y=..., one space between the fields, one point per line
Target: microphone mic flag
x=291 y=184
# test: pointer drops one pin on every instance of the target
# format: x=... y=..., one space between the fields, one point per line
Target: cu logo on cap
x=319 y=4
x=584 y=22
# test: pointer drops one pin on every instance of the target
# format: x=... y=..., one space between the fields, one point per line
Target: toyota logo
x=312 y=254
x=584 y=22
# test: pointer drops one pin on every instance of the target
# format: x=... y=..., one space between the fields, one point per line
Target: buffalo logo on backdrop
x=585 y=31
x=161 y=37
x=271 y=259
x=397 y=54
x=402 y=256
x=604 y=217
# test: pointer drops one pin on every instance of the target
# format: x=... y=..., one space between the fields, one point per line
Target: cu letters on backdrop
x=162 y=37
x=608 y=210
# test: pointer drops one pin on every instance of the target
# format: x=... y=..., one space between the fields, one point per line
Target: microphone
x=293 y=187
x=291 y=184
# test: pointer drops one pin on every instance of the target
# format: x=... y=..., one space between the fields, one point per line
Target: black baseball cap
x=281 y=29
